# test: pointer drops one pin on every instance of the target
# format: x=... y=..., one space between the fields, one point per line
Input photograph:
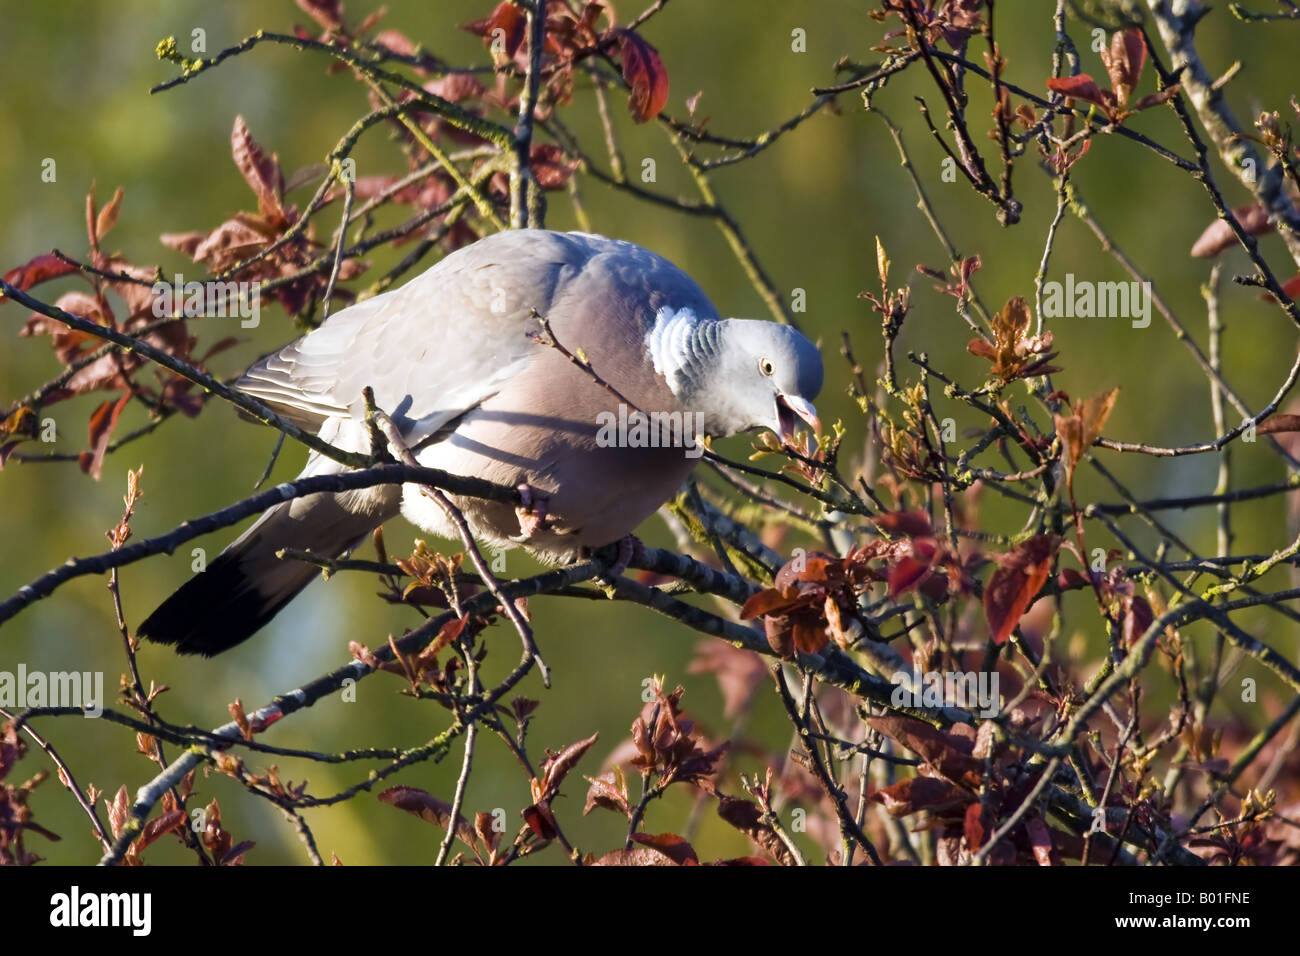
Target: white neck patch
x=669 y=342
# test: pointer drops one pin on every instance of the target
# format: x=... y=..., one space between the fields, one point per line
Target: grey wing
x=433 y=349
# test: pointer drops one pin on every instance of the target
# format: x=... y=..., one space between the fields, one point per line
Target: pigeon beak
x=791 y=408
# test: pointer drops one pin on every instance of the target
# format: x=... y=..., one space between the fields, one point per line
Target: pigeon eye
x=765 y=366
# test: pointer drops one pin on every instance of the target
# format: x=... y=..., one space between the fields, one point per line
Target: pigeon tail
x=247 y=584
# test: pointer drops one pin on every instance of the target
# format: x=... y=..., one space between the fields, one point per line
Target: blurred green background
x=77 y=77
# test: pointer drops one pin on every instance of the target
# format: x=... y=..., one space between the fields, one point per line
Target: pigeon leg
x=626 y=548
x=532 y=512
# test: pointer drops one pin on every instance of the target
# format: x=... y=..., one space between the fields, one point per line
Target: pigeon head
x=768 y=378
x=739 y=374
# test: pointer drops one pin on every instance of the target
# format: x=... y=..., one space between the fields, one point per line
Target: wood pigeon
x=455 y=359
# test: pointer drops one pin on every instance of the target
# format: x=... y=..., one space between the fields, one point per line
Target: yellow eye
x=765 y=366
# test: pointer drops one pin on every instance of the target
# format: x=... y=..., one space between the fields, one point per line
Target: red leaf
x=1016 y=583
x=539 y=821
x=911 y=570
x=37 y=270
x=262 y=173
x=739 y=673
x=766 y=602
x=1071 y=580
x=637 y=856
x=456 y=87
x=557 y=766
x=1138 y=617
x=609 y=790
x=671 y=846
x=910 y=524
x=550 y=166
x=974 y=827
x=921 y=793
x=645 y=73
x=328 y=13
x=1290 y=288
x=107 y=218
x=944 y=753
x=1124 y=62
x=161 y=826
x=507 y=18
x=1279 y=423
x=1081 y=87
x=428 y=808
x=1218 y=236
x=235 y=855
x=102 y=423
x=397 y=41
x=746 y=817
x=1155 y=99
x=811 y=567
x=1040 y=838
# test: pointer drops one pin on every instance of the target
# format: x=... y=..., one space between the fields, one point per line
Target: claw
x=532 y=512
x=627 y=548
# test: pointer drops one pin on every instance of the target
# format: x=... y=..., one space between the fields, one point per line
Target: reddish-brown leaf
x=429 y=809
x=909 y=524
x=746 y=817
x=1219 y=236
x=262 y=173
x=1138 y=616
x=161 y=826
x=1016 y=583
x=1079 y=430
x=1124 y=62
x=486 y=831
x=947 y=754
x=457 y=87
x=1081 y=87
x=644 y=72
x=235 y=855
x=102 y=423
x=670 y=845
x=118 y=811
x=974 y=828
x=186 y=242
x=551 y=167
x=1155 y=99
x=1279 y=423
x=539 y=821
x=35 y=271
x=609 y=790
x=506 y=17
x=107 y=218
x=328 y=13
x=1040 y=839
x=557 y=766
x=768 y=601
x=911 y=570
x=739 y=673
x=921 y=793
x=637 y=856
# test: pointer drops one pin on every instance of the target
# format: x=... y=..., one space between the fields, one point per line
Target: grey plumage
x=450 y=357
